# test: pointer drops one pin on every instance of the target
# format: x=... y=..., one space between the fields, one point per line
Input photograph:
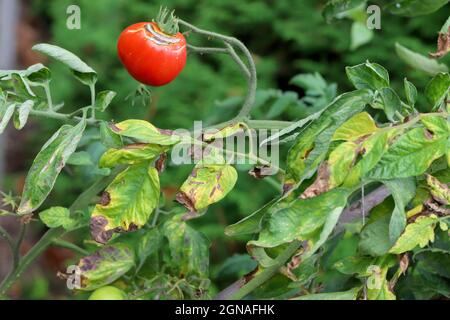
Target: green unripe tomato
x=108 y=293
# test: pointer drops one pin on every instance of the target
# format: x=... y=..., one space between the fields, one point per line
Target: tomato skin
x=107 y=293
x=151 y=56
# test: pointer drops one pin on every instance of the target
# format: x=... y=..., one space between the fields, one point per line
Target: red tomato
x=151 y=56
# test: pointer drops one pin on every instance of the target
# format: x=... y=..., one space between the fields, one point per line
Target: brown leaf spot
x=98 y=232
x=105 y=198
x=320 y=185
x=135 y=146
x=260 y=172
x=184 y=199
x=443 y=45
x=160 y=163
x=428 y=134
x=113 y=127
x=167 y=132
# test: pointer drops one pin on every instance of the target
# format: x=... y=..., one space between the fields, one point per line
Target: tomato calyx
x=158 y=36
x=168 y=24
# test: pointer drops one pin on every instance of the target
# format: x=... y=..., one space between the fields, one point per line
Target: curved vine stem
x=249 y=70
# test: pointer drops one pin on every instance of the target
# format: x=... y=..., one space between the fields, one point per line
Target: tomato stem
x=248 y=70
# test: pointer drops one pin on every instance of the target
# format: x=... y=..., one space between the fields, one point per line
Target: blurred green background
x=286 y=37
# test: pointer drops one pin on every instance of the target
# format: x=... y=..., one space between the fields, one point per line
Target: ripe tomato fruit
x=108 y=293
x=150 y=55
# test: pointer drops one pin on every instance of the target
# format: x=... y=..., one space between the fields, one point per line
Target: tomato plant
x=360 y=209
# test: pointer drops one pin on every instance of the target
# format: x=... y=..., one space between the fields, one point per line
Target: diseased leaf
x=403 y=191
x=300 y=219
x=312 y=143
x=356 y=127
x=368 y=76
x=340 y=161
x=419 y=62
x=419 y=233
x=351 y=294
x=148 y=244
x=222 y=133
x=22 y=113
x=105 y=266
x=48 y=164
x=354 y=265
x=108 y=137
x=57 y=217
x=130 y=154
x=410 y=155
x=437 y=90
x=378 y=285
x=413 y=8
x=440 y=191
x=144 y=132
x=127 y=203
x=189 y=249
x=206 y=185
x=103 y=99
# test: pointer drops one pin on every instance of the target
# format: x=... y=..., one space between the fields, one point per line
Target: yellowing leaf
x=127 y=202
x=145 y=132
x=440 y=191
x=56 y=217
x=356 y=127
x=340 y=161
x=206 y=184
x=419 y=233
x=130 y=154
x=377 y=284
x=232 y=129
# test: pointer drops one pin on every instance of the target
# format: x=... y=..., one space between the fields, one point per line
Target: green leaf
x=57 y=217
x=38 y=73
x=337 y=9
x=81 y=70
x=375 y=236
x=206 y=185
x=21 y=87
x=6 y=116
x=108 y=137
x=437 y=90
x=410 y=155
x=391 y=102
x=410 y=92
x=403 y=191
x=351 y=294
x=21 y=116
x=360 y=35
x=48 y=164
x=81 y=158
x=354 y=265
x=130 y=154
x=419 y=62
x=189 y=249
x=127 y=203
x=312 y=143
x=368 y=76
x=250 y=224
x=437 y=124
x=419 y=233
x=105 y=266
x=148 y=244
x=356 y=127
x=103 y=99
x=144 y=132
x=414 y=8
x=300 y=219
